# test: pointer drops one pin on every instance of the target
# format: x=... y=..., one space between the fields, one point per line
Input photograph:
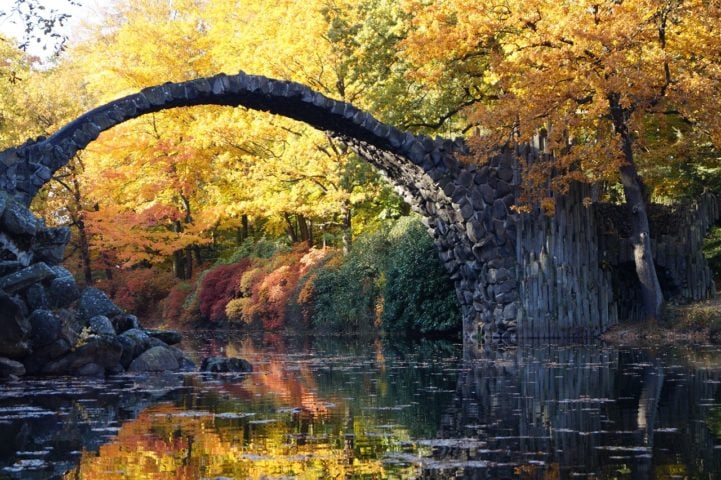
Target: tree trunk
x=82 y=232
x=347 y=231
x=304 y=229
x=178 y=256
x=292 y=233
x=246 y=227
x=84 y=251
x=651 y=293
x=188 y=274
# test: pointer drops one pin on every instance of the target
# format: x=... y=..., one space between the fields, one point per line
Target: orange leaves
x=552 y=65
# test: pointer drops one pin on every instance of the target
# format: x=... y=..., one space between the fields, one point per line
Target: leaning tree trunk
x=651 y=293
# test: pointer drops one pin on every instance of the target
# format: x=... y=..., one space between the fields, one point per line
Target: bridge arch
x=449 y=195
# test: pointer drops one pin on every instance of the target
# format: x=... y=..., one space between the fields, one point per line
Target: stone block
x=35 y=273
x=95 y=302
x=17 y=219
x=62 y=292
x=46 y=328
x=155 y=359
x=101 y=325
x=11 y=368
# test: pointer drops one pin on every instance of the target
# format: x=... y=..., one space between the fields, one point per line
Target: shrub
x=262 y=248
x=418 y=297
x=392 y=277
x=271 y=286
x=219 y=286
x=140 y=291
x=346 y=290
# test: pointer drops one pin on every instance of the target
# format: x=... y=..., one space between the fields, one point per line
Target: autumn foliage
x=218 y=287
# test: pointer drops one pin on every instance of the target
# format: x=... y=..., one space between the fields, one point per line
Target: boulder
x=14 y=327
x=90 y=370
x=124 y=322
x=46 y=328
x=95 y=302
x=62 y=292
x=169 y=337
x=35 y=273
x=104 y=351
x=18 y=219
x=11 y=367
x=36 y=297
x=223 y=364
x=155 y=359
x=101 y=325
x=35 y=362
x=134 y=341
x=49 y=244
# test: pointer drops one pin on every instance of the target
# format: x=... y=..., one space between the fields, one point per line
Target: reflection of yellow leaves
x=164 y=443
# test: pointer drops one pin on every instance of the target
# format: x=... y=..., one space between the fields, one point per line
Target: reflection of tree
x=548 y=412
x=166 y=441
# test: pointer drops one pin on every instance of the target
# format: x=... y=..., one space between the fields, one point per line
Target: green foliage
x=345 y=294
x=418 y=296
x=712 y=251
x=392 y=278
x=263 y=248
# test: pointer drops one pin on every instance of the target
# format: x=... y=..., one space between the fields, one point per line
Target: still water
x=333 y=408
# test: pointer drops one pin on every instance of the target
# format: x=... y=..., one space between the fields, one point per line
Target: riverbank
x=698 y=323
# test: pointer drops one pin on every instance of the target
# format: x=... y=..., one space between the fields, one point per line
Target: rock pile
x=50 y=326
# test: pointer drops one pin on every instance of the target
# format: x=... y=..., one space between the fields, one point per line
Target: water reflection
x=364 y=409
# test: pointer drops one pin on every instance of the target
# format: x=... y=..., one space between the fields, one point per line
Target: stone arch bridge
x=516 y=276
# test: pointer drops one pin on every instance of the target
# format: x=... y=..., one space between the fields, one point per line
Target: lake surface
x=333 y=408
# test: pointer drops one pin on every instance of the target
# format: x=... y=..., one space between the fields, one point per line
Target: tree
x=39 y=23
x=590 y=74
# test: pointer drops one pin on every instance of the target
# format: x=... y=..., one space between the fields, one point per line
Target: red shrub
x=219 y=286
x=173 y=304
x=139 y=291
x=271 y=290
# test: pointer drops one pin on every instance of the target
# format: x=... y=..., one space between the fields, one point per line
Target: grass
x=698 y=322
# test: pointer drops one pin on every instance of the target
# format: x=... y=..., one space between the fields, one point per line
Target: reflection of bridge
x=526 y=276
x=561 y=412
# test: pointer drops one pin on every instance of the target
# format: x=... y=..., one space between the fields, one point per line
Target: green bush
x=262 y=248
x=391 y=278
x=346 y=290
x=418 y=297
x=712 y=251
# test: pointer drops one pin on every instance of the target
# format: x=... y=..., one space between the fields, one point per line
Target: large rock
x=169 y=337
x=134 y=341
x=18 y=219
x=104 y=351
x=156 y=359
x=101 y=325
x=223 y=364
x=49 y=244
x=62 y=292
x=10 y=367
x=35 y=362
x=36 y=297
x=124 y=322
x=14 y=327
x=95 y=302
x=35 y=273
x=46 y=328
